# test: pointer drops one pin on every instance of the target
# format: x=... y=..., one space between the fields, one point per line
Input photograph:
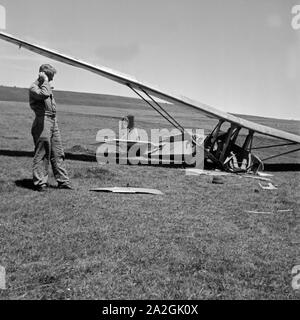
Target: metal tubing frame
x=281 y=154
x=275 y=145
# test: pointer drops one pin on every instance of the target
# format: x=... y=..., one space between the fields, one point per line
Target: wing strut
x=275 y=145
x=281 y=154
x=166 y=116
x=162 y=109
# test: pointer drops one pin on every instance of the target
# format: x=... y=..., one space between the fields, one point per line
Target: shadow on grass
x=282 y=167
x=28 y=184
x=25 y=183
x=29 y=154
x=275 y=167
x=82 y=157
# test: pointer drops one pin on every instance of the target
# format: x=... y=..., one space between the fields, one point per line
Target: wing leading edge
x=150 y=89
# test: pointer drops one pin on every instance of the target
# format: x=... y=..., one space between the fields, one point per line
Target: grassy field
x=197 y=241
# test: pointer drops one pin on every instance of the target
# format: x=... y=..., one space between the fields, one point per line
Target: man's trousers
x=48 y=149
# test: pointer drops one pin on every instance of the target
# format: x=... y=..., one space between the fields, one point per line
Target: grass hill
x=70 y=97
x=90 y=99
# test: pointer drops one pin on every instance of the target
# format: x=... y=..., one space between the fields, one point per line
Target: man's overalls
x=46 y=136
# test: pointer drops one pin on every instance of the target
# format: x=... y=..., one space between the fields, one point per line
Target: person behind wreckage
x=45 y=132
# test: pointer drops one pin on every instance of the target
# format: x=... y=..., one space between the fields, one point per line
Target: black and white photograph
x=149 y=152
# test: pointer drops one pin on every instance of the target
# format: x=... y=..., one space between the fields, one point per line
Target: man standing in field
x=45 y=132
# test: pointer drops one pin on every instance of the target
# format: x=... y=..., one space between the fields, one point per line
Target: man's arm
x=42 y=91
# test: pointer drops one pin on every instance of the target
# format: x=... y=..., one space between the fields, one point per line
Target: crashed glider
x=220 y=146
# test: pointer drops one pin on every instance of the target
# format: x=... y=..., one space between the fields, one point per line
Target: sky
x=239 y=56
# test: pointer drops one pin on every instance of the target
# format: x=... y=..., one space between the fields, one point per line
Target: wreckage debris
x=263 y=174
x=198 y=172
x=255 y=177
x=270 y=186
x=128 y=190
x=269 y=212
x=217 y=180
x=259 y=212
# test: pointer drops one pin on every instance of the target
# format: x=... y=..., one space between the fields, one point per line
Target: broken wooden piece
x=128 y=190
x=270 y=186
x=198 y=172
